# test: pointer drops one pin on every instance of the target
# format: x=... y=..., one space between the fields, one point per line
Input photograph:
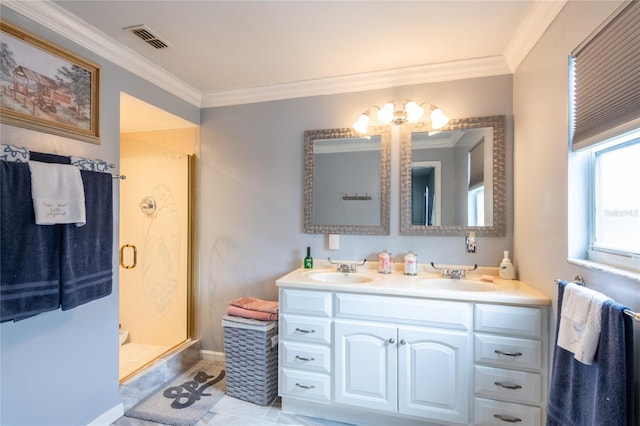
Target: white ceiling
x=233 y=52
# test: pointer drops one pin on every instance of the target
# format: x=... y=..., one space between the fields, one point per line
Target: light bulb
x=385 y=114
x=414 y=111
x=361 y=123
x=438 y=118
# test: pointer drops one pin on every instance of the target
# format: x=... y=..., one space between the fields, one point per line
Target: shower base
x=137 y=386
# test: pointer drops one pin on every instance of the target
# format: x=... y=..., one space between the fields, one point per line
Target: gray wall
x=544 y=217
x=61 y=368
x=251 y=190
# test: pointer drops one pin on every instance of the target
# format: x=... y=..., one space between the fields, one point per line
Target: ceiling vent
x=147 y=35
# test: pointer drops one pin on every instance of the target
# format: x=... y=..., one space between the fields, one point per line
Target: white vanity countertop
x=422 y=285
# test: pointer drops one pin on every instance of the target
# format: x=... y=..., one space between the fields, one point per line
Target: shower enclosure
x=154 y=252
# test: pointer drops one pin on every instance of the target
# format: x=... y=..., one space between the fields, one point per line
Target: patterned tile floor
x=230 y=411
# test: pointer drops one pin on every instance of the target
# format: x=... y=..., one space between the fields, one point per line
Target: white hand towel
x=58 y=193
x=580 y=321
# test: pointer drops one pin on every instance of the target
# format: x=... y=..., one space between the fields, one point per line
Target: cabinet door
x=365 y=365
x=433 y=374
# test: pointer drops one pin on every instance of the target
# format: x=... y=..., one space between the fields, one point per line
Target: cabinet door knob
x=402 y=342
x=391 y=340
x=499 y=352
x=507 y=385
x=509 y=419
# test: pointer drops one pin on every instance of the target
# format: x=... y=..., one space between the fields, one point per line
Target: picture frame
x=46 y=88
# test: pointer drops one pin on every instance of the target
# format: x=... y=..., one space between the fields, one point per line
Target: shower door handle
x=135 y=256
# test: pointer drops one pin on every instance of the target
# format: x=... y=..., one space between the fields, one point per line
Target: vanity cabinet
x=403 y=355
x=378 y=359
x=407 y=370
x=304 y=349
x=400 y=355
x=510 y=364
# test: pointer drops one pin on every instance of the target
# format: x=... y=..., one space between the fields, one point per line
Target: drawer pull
x=300 y=330
x=507 y=385
x=499 y=352
x=305 y=386
x=509 y=419
x=304 y=359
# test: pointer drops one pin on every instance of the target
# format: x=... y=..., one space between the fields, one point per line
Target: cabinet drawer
x=516 y=320
x=307 y=386
x=305 y=357
x=438 y=313
x=489 y=412
x=305 y=329
x=305 y=302
x=508 y=352
x=516 y=386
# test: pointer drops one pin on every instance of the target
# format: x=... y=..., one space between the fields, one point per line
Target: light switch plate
x=334 y=242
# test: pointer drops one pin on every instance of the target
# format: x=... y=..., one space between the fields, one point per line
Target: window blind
x=606 y=77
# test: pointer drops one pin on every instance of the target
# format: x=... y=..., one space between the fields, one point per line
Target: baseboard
x=212 y=356
x=109 y=416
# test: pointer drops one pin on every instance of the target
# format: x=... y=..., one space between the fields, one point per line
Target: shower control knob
x=148 y=206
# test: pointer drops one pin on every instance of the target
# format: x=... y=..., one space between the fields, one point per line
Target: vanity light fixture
x=410 y=112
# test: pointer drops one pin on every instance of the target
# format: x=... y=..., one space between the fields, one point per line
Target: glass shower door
x=154 y=248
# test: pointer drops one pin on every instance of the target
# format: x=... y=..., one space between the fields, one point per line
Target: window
x=605 y=130
x=614 y=170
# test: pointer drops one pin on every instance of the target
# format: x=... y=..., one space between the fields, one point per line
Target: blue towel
x=86 y=251
x=601 y=393
x=29 y=269
x=49 y=158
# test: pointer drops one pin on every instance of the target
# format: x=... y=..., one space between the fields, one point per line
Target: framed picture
x=47 y=88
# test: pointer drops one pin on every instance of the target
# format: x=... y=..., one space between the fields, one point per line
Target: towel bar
x=580 y=281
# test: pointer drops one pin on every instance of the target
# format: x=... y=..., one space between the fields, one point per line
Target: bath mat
x=184 y=400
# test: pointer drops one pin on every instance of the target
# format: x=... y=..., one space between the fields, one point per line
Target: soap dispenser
x=506 y=271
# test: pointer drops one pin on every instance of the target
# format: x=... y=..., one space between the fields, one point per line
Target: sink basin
x=458 y=285
x=339 y=277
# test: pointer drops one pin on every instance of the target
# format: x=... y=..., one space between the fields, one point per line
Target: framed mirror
x=452 y=181
x=347 y=181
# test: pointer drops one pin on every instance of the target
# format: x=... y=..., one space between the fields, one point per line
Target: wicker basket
x=251 y=358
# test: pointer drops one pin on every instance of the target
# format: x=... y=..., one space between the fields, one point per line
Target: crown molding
x=57 y=19
x=457 y=70
x=68 y=25
x=534 y=25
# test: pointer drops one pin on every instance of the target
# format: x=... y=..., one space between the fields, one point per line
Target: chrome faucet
x=454 y=274
x=343 y=267
x=457 y=274
x=346 y=267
